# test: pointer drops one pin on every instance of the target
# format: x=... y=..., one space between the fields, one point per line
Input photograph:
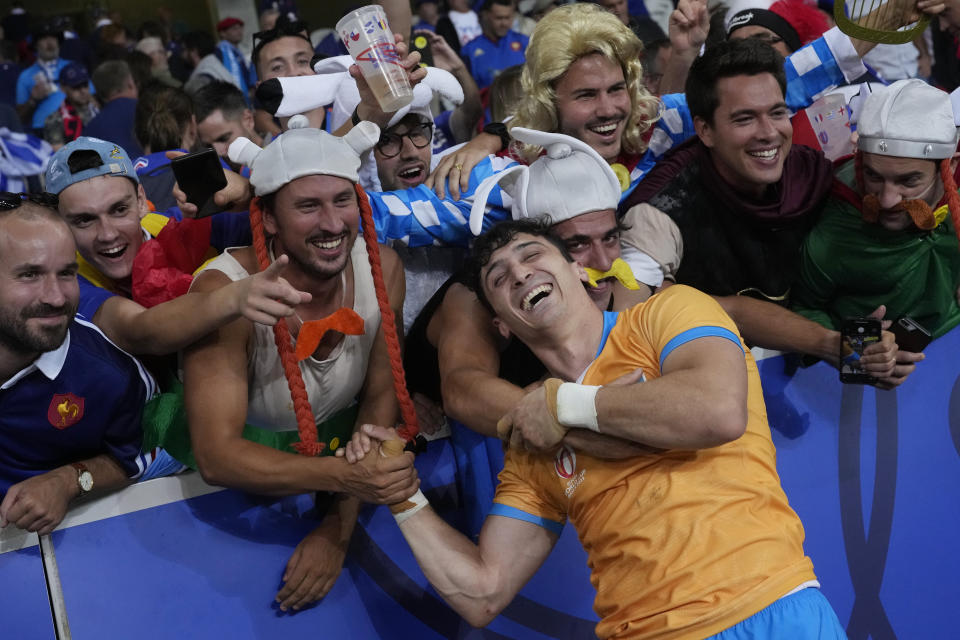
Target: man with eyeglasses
x=70 y=401
x=403 y=153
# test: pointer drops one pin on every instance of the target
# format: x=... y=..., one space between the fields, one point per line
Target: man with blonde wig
x=583 y=78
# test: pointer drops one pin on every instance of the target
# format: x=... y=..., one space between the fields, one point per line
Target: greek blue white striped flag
x=21 y=156
x=417 y=217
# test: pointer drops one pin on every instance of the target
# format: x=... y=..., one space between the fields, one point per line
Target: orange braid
x=408 y=413
x=308 y=444
x=950 y=191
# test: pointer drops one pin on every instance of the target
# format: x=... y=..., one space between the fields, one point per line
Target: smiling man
x=673 y=551
x=577 y=191
x=887 y=234
x=404 y=152
x=727 y=211
x=70 y=401
x=104 y=205
x=305 y=186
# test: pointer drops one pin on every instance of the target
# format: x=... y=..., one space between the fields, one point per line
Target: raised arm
x=463 y=120
x=689 y=24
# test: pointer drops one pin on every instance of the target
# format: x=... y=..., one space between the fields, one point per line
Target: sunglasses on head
x=420 y=134
x=10 y=200
x=284 y=28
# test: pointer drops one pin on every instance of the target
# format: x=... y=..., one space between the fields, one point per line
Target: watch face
x=86 y=481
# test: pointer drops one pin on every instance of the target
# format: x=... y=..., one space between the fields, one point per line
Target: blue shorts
x=804 y=615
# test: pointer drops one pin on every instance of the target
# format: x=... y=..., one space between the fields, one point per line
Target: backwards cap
x=569 y=180
x=303 y=151
x=908 y=119
x=114 y=161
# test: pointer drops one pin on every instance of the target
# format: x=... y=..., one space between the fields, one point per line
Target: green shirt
x=850 y=267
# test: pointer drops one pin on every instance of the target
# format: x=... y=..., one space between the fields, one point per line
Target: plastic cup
x=369 y=41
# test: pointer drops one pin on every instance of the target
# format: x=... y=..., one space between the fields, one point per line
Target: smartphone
x=911 y=336
x=856 y=334
x=200 y=175
x=420 y=42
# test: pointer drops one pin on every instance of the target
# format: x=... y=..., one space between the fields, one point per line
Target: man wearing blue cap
x=78 y=108
x=104 y=205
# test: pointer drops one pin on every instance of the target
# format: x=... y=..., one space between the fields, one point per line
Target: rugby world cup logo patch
x=565 y=463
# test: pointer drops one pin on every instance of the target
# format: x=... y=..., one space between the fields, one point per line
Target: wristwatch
x=498 y=129
x=84 y=478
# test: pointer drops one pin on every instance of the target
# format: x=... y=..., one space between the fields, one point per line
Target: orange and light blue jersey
x=681 y=544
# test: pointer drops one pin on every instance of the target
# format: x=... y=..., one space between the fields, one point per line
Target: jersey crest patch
x=65 y=410
x=515 y=46
x=565 y=463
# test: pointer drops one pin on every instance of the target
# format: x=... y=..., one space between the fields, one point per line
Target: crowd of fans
x=674 y=158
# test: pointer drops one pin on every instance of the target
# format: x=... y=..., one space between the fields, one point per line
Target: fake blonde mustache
x=619 y=270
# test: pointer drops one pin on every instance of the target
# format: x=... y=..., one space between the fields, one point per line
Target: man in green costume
x=887 y=235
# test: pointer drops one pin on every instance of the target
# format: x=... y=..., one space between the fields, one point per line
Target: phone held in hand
x=856 y=334
x=200 y=175
x=911 y=335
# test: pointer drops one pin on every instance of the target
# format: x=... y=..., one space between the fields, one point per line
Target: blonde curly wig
x=562 y=37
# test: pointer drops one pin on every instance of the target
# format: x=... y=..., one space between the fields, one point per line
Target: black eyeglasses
x=420 y=135
x=10 y=200
x=284 y=28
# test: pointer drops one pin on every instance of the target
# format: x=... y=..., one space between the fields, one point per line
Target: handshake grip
x=402 y=510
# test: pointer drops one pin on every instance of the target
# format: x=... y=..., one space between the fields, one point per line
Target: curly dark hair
x=499 y=236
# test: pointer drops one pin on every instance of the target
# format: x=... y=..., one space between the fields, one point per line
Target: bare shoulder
x=462 y=314
x=247 y=257
x=213 y=279
x=462 y=310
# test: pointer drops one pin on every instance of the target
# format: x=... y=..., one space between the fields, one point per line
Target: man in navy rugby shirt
x=70 y=401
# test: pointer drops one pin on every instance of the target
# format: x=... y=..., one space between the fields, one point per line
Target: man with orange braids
x=888 y=232
x=239 y=381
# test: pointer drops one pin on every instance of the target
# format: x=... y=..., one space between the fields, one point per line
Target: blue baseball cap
x=113 y=161
x=74 y=75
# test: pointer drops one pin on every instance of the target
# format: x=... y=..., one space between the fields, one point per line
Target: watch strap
x=498 y=129
x=81 y=469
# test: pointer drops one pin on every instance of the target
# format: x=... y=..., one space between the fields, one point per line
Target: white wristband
x=416 y=502
x=576 y=406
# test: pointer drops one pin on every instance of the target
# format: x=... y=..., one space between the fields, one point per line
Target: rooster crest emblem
x=66 y=409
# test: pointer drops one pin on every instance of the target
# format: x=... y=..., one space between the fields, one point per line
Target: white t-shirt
x=467 y=25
